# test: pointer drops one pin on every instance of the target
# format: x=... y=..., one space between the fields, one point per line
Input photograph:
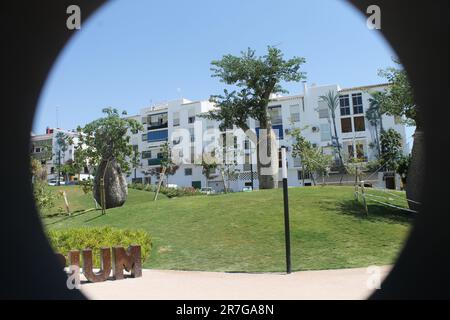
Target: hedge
x=64 y=240
x=169 y=192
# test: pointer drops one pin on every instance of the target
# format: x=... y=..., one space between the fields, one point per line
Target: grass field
x=245 y=231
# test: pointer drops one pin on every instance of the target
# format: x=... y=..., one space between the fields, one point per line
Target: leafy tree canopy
x=106 y=138
x=399 y=99
x=391 y=149
x=254 y=80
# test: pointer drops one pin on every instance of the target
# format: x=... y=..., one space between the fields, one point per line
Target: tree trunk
x=377 y=140
x=223 y=181
x=267 y=157
x=161 y=177
x=416 y=170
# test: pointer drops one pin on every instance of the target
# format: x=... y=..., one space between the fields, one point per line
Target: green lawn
x=245 y=231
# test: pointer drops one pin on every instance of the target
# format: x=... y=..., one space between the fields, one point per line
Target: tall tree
x=254 y=79
x=168 y=167
x=62 y=144
x=374 y=115
x=313 y=160
x=391 y=149
x=399 y=101
x=331 y=98
x=105 y=143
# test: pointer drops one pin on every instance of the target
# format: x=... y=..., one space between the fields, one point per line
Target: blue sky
x=134 y=53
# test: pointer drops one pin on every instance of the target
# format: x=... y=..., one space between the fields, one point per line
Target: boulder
x=116 y=189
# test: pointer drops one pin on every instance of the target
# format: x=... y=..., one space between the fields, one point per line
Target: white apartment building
x=162 y=123
x=44 y=147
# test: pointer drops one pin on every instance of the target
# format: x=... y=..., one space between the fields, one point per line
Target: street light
x=287 y=234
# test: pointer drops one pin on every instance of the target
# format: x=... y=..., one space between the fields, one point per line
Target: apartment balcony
x=159 y=125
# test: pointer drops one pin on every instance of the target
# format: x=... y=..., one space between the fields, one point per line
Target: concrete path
x=193 y=285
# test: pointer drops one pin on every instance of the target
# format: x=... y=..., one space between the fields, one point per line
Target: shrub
x=180 y=192
x=169 y=192
x=43 y=196
x=62 y=241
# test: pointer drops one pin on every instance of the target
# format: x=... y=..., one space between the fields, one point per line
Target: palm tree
x=375 y=103
x=374 y=116
x=332 y=101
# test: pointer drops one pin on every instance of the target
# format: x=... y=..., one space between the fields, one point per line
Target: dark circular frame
x=34 y=35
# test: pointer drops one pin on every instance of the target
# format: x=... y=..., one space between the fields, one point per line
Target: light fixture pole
x=287 y=233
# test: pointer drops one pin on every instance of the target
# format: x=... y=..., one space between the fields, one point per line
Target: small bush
x=44 y=197
x=180 y=192
x=62 y=241
x=169 y=192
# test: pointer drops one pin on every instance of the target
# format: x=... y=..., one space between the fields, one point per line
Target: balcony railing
x=157 y=125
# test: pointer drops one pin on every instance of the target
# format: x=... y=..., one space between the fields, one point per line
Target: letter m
x=129 y=259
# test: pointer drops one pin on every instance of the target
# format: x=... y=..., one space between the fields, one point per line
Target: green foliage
x=332 y=101
x=169 y=192
x=313 y=159
x=86 y=185
x=37 y=171
x=254 y=79
x=166 y=160
x=391 y=149
x=106 y=138
x=62 y=241
x=373 y=165
x=399 y=99
x=207 y=166
x=44 y=197
x=403 y=164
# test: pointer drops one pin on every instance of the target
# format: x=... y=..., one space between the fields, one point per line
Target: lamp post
x=287 y=234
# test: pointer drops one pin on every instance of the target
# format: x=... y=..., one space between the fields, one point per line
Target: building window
x=157 y=121
x=52 y=170
x=346 y=125
x=324 y=112
x=176 y=119
x=247 y=144
x=303 y=175
x=297 y=162
x=191 y=119
x=155 y=136
x=86 y=170
x=37 y=150
x=280 y=162
x=197 y=184
x=357 y=103
x=325 y=132
x=188 y=172
x=146 y=154
x=359 y=151
x=359 y=124
x=192 y=134
x=295 y=113
x=144 y=137
x=192 y=154
x=275 y=115
x=344 y=104
x=247 y=163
